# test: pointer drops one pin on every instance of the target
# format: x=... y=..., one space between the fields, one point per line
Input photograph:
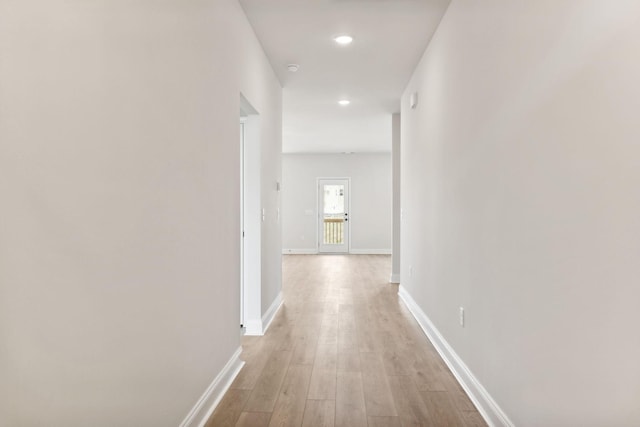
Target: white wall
x=396 y=215
x=520 y=172
x=370 y=214
x=119 y=183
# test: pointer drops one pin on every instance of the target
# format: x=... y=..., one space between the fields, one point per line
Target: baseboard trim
x=370 y=251
x=271 y=313
x=488 y=408
x=253 y=327
x=299 y=252
x=352 y=251
x=395 y=278
x=202 y=410
x=259 y=327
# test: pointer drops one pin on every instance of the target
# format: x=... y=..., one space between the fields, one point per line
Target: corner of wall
x=258 y=327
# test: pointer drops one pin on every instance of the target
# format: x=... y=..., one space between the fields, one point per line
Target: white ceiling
x=389 y=38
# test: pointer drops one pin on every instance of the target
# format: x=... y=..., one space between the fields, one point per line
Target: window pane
x=334 y=214
x=334 y=199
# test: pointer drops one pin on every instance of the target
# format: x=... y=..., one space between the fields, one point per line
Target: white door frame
x=252 y=220
x=319 y=210
x=243 y=119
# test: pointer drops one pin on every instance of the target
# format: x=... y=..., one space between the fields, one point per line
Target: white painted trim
x=488 y=408
x=370 y=251
x=252 y=206
x=259 y=327
x=204 y=407
x=299 y=252
x=271 y=312
x=395 y=278
x=253 y=327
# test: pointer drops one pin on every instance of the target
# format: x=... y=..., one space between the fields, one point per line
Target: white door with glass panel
x=333 y=204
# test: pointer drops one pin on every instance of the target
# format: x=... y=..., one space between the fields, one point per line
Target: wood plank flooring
x=343 y=351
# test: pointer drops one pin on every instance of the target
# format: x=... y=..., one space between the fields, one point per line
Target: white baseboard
x=488 y=408
x=207 y=403
x=271 y=313
x=299 y=252
x=370 y=251
x=352 y=251
x=253 y=327
x=395 y=278
x=259 y=327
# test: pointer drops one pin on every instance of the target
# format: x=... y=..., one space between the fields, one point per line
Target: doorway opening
x=243 y=118
x=333 y=219
x=250 y=219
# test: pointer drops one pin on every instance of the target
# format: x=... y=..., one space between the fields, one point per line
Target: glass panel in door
x=334 y=217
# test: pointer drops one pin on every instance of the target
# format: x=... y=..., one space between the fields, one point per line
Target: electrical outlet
x=461 y=315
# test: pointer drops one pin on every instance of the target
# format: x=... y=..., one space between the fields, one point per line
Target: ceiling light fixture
x=344 y=39
x=344 y=102
x=293 y=67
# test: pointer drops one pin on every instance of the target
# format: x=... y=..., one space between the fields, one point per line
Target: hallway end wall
x=520 y=203
x=370 y=199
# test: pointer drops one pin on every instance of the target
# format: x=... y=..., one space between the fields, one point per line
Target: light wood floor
x=343 y=351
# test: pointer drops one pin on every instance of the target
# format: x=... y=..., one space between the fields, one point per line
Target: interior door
x=333 y=204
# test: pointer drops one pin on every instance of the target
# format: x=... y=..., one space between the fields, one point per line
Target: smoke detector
x=293 y=67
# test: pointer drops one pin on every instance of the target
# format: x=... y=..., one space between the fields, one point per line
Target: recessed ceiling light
x=344 y=102
x=293 y=67
x=343 y=39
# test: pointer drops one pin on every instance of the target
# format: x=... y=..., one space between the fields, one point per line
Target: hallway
x=344 y=351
